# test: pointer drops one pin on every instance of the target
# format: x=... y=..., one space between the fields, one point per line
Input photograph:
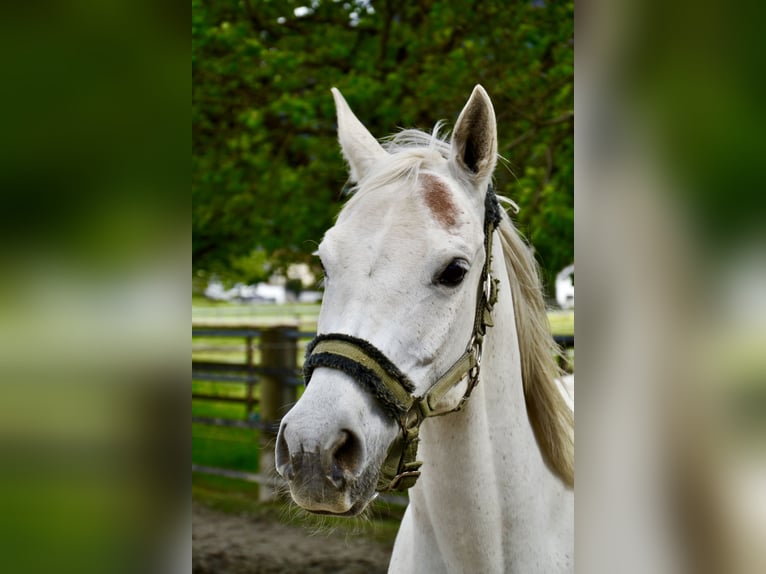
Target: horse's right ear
x=474 y=139
x=359 y=147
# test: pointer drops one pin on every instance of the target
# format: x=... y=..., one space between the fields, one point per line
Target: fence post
x=250 y=384
x=279 y=359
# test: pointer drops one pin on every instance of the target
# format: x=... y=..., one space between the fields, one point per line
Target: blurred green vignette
x=671 y=250
x=94 y=445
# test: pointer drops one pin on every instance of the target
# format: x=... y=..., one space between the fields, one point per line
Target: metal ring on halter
x=488 y=286
x=477 y=351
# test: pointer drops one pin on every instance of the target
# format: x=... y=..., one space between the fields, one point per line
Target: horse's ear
x=359 y=147
x=474 y=139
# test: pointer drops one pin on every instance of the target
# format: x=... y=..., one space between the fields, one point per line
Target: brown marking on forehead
x=438 y=200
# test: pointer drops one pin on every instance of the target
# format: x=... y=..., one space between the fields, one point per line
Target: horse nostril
x=282 y=456
x=346 y=455
x=300 y=458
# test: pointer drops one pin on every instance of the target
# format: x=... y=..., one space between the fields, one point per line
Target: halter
x=393 y=390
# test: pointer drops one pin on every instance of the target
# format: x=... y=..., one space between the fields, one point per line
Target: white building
x=275 y=291
x=565 y=287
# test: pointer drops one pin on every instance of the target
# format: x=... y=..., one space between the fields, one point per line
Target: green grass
x=202 y=301
x=225 y=389
x=223 y=349
x=562 y=322
x=225 y=447
x=302 y=315
x=204 y=408
x=230 y=495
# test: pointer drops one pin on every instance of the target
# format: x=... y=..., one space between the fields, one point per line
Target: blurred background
x=671 y=248
x=94 y=220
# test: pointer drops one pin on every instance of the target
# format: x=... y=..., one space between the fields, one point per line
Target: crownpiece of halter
x=393 y=390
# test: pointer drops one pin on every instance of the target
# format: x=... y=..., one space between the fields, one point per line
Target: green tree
x=267 y=174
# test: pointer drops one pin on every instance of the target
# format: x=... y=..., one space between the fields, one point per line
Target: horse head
x=402 y=265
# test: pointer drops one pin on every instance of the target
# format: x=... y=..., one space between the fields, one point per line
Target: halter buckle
x=404 y=480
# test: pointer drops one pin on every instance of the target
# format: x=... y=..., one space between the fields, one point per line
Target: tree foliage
x=266 y=169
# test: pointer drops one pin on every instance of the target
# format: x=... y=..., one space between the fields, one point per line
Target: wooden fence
x=278 y=378
x=276 y=372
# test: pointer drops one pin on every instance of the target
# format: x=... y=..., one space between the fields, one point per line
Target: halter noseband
x=393 y=390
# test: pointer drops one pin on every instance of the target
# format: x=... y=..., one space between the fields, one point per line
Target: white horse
x=408 y=298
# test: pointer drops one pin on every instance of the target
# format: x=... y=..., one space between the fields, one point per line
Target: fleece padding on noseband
x=361 y=352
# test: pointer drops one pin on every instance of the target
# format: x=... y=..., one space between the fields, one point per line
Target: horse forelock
x=409 y=152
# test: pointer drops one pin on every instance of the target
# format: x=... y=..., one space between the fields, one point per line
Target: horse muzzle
x=324 y=476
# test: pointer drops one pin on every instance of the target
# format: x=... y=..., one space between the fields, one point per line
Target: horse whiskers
x=326 y=525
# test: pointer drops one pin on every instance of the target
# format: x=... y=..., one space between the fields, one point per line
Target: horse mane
x=409 y=151
x=551 y=418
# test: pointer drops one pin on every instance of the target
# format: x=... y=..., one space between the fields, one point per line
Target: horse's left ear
x=474 y=139
x=359 y=147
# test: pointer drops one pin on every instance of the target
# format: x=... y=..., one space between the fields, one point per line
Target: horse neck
x=482 y=468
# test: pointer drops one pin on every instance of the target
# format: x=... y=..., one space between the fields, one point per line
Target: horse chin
x=356 y=509
x=349 y=501
x=338 y=507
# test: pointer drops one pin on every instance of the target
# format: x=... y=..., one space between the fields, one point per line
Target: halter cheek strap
x=393 y=390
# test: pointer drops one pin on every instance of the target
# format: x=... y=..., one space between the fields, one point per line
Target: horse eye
x=453 y=274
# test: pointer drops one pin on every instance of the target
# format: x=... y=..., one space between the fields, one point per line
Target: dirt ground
x=239 y=544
